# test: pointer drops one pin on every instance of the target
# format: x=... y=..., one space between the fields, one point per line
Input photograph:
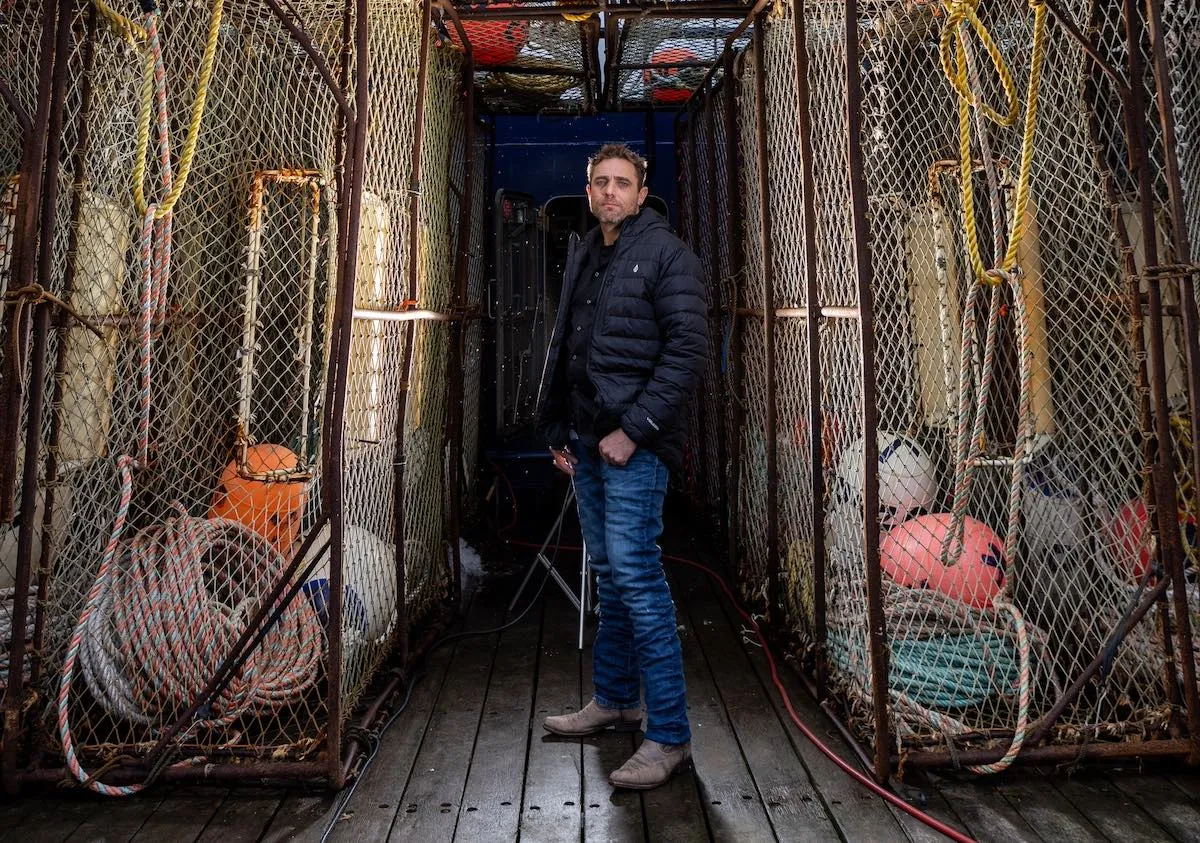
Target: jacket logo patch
x=635 y=267
x=652 y=424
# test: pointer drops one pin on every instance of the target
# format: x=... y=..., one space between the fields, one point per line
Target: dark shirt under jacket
x=583 y=311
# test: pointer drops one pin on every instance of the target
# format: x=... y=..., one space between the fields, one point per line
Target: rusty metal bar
x=246 y=771
x=341 y=368
x=1132 y=300
x=454 y=362
x=827 y=312
x=23 y=264
x=18 y=110
x=750 y=16
x=737 y=259
x=306 y=45
x=1169 y=546
x=268 y=611
x=399 y=528
x=687 y=11
x=710 y=106
x=519 y=70
x=928 y=758
x=82 y=150
x=812 y=313
x=1089 y=46
x=14 y=694
x=1183 y=245
x=766 y=244
x=877 y=632
x=1041 y=728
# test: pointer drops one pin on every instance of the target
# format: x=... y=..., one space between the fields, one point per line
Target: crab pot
x=943 y=498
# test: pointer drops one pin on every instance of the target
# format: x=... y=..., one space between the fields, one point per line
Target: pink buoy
x=1132 y=541
x=910 y=553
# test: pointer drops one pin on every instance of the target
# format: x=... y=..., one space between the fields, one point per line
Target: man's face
x=613 y=192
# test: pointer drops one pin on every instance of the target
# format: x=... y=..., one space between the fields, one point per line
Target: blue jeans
x=620 y=511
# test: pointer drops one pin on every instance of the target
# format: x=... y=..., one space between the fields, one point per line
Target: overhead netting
x=186 y=410
x=540 y=65
x=659 y=62
x=1013 y=415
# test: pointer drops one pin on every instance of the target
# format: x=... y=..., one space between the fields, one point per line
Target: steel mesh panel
x=380 y=349
x=1181 y=23
x=270 y=117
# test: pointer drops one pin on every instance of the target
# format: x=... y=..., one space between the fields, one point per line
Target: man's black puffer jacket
x=649 y=340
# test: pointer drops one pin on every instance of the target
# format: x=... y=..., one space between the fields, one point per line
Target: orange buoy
x=272 y=508
x=671 y=85
x=911 y=553
x=494 y=42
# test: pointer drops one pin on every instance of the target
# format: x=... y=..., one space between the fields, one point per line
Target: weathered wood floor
x=468 y=761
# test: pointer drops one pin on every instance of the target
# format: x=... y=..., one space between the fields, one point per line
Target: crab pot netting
x=660 y=62
x=1077 y=498
x=202 y=435
x=702 y=152
x=380 y=348
x=235 y=353
x=20 y=27
x=526 y=66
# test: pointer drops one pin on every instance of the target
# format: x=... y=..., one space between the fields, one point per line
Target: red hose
x=867 y=782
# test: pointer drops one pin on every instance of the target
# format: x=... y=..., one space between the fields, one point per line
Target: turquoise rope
x=945 y=672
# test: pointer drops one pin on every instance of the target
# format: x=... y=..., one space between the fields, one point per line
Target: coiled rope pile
x=8 y=601
x=166 y=608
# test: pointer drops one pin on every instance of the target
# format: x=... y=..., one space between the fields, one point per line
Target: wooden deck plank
x=119 y=820
x=858 y=813
x=492 y=798
x=1051 y=816
x=608 y=814
x=550 y=804
x=433 y=796
x=985 y=812
x=1158 y=797
x=724 y=785
x=1112 y=812
x=793 y=803
x=376 y=801
x=242 y=817
x=52 y=819
x=302 y=817
x=184 y=816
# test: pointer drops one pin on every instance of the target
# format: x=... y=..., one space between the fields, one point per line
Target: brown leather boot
x=651 y=765
x=593 y=718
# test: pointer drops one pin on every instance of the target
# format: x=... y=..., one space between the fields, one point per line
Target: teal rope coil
x=950 y=671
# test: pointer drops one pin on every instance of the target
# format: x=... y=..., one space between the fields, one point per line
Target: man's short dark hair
x=619 y=150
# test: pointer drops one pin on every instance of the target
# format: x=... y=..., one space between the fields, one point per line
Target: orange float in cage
x=272 y=508
x=671 y=85
x=493 y=42
x=1132 y=541
x=911 y=554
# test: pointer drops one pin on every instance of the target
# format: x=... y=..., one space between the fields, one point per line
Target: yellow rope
x=136 y=34
x=954 y=65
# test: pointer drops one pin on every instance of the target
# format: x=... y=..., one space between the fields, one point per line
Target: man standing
x=629 y=345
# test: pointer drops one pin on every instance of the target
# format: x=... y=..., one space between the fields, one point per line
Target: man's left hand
x=617 y=447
